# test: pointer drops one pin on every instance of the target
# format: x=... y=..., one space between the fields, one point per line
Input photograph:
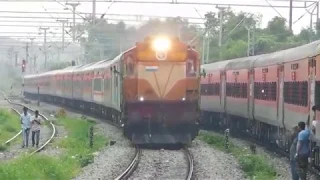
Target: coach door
x=280 y=100
x=223 y=90
x=115 y=87
x=312 y=86
x=250 y=93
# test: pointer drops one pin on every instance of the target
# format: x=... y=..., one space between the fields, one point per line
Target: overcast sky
x=145 y=9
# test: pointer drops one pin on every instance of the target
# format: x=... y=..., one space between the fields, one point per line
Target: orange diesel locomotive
x=161 y=92
x=151 y=90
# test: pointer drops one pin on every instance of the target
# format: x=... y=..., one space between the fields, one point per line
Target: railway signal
x=23 y=65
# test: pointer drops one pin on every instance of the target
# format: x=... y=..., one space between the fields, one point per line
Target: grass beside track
x=76 y=154
x=254 y=165
x=9 y=126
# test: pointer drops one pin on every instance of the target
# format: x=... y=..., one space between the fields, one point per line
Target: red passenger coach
x=266 y=96
x=213 y=90
x=237 y=86
x=296 y=88
x=267 y=79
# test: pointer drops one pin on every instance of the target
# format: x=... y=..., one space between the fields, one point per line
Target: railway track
x=132 y=166
x=41 y=115
x=136 y=159
x=190 y=163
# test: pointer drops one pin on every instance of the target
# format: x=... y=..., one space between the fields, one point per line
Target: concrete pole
x=74 y=6
x=45 y=46
x=203 y=49
x=221 y=9
x=27 y=54
x=93 y=12
x=63 y=26
x=249 y=44
x=290 y=16
x=31 y=47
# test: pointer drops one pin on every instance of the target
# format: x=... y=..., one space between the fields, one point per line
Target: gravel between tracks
x=214 y=164
x=110 y=161
x=161 y=164
x=281 y=164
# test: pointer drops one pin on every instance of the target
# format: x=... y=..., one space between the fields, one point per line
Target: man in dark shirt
x=303 y=150
x=293 y=147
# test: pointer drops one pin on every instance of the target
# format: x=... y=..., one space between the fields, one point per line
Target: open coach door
x=314 y=99
x=280 y=105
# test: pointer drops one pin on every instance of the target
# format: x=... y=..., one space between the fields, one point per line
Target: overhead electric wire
x=274 y=8
x=304 y=14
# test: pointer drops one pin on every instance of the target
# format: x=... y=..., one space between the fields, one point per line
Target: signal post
x=23 y=69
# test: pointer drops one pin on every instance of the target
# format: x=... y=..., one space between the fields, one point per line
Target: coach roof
x=242 y=63
x=220 y=65
x=301 y=52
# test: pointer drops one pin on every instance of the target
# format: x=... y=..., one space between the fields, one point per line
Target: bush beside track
x=255 y=166
x=9 y=126
x=76 y=154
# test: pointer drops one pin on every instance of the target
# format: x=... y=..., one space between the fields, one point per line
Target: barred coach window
x=265 y=91
x=317 y=93
x=237 y=90
x=296 y=93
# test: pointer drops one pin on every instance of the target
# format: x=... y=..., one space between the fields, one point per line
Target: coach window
x=216 y=89
x=97 y=86
x=228 y=89
x=106 y=82
x=204 y=89
x=129 y=68
x=317 y=92
x=296 y=93
x=265 y=91
x=304 y=93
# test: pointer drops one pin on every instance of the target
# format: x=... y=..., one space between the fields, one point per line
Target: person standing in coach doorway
x=25 y=122
x=35 y=129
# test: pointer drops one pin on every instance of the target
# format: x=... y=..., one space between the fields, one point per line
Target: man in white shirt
x=35 y=128
x=25 y=122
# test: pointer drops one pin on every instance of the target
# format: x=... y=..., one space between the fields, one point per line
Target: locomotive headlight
x=161 y=44
x=141 y=98
x=183 y=99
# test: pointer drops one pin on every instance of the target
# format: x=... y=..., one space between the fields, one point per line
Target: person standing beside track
x=303 y=150
x=25 y=122
x=35 y=128
x=293 y=147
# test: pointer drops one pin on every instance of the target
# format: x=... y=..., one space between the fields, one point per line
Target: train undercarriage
x=272 y=137
x=146 y=131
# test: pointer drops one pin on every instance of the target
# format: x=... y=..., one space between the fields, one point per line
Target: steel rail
x=132 y=166
x=190 y=163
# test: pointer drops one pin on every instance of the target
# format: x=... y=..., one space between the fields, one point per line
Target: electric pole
x=45 y=45
x=31 y=47
x=27 y=53
x=16 y=57
x=251 y=41
x=63 y=26
x=93 y=12
x=34 y=62
x=221 y=10
x=74 y=6
x=290 y=16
